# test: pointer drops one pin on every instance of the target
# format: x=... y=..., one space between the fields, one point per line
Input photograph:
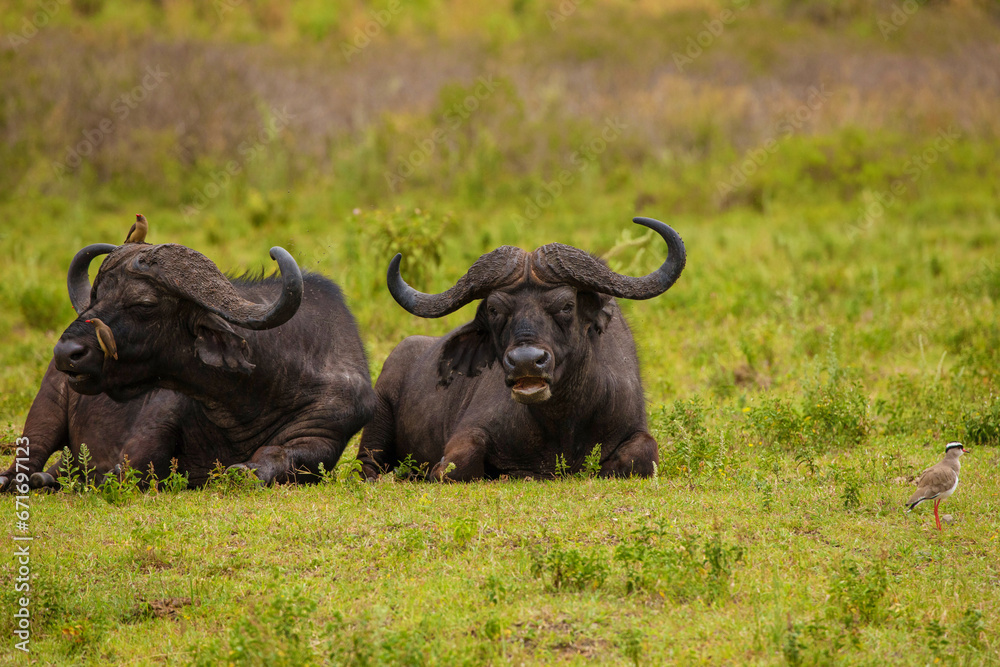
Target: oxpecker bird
x=939 y=481
x=105 y=338
x=137 y=234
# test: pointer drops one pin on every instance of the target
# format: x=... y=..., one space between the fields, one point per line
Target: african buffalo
x=547 y=369
x=267 y=374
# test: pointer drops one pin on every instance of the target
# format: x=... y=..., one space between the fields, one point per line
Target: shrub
x=982 y=426
x=570 y=569
x=856 y=593
x=833 y=412
x=692 y=568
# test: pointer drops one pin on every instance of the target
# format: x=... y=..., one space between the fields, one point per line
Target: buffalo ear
x=596 y=309
x=217 y=345
x=467 y=350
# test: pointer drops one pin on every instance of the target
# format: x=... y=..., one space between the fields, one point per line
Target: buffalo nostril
x=526 y=359
x=70 y=351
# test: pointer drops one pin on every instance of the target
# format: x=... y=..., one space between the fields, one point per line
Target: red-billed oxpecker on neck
x=137 y=233
x=105 y=338
x=546 y=371
x=940 y=480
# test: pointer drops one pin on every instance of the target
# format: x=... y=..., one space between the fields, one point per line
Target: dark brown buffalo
x=547 y=369
x=263 y=373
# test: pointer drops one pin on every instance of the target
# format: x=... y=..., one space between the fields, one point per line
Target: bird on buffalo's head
x=174 y=316
x=137 y=233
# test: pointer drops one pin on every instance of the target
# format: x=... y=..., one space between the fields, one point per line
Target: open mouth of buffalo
x=530 y=389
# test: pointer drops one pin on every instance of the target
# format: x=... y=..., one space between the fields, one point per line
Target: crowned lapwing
x=939 y=481
x=105 y=338
x=137 y=233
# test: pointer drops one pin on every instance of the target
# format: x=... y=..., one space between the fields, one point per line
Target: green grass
x=815 y=355
x=420 y=573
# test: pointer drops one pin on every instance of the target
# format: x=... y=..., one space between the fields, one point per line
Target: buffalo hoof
x=41 y=480
x=249 y=471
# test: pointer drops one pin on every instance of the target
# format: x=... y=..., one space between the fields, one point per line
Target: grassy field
x=832 y=169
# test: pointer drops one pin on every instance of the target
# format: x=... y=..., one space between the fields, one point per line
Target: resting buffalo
x=547 y=369
x=263 y=373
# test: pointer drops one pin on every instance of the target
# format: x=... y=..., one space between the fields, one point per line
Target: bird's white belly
x=945 y=494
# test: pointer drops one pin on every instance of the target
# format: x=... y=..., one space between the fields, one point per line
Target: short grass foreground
x=757 y=559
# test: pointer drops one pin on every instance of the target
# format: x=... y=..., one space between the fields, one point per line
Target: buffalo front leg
x=46 y=431
x=377 y=450
x=296 y=460
x=464 y=458
x=635 y=456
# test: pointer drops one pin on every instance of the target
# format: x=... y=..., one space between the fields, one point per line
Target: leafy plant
x=833 y=411
x=276 y=633
x=120 y=486
x=463 y=529
x=686 y=446
x=856 y=593
x=232 y=480
x=692 y=567
x=936 y=640
x=851 y=495
x=982 y=426
x=570 y=569
x=408 y=468
x=631 y=644
x=971 y=627
x=497 y=589
x=76 y=472
x=416 y=233
x=175 y=481
x=592 y=463
x=561 y=467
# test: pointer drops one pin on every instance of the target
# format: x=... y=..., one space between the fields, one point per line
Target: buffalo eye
x=568 y=308
x=144 y=305
x=492 y=311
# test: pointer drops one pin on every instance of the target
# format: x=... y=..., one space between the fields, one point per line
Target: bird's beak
x=966 y=451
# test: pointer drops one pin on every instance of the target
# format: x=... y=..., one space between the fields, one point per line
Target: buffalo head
x=540 y=311
x=169 y=310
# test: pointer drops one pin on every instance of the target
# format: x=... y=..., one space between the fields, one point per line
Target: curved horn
x=567 y=264
x=193 y=276
x=282 y=309
x=494 y=269
x=77 y=280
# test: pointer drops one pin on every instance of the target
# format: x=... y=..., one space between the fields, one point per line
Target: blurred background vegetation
x=831 y=165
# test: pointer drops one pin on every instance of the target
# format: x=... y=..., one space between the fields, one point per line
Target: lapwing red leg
x=936 y=517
